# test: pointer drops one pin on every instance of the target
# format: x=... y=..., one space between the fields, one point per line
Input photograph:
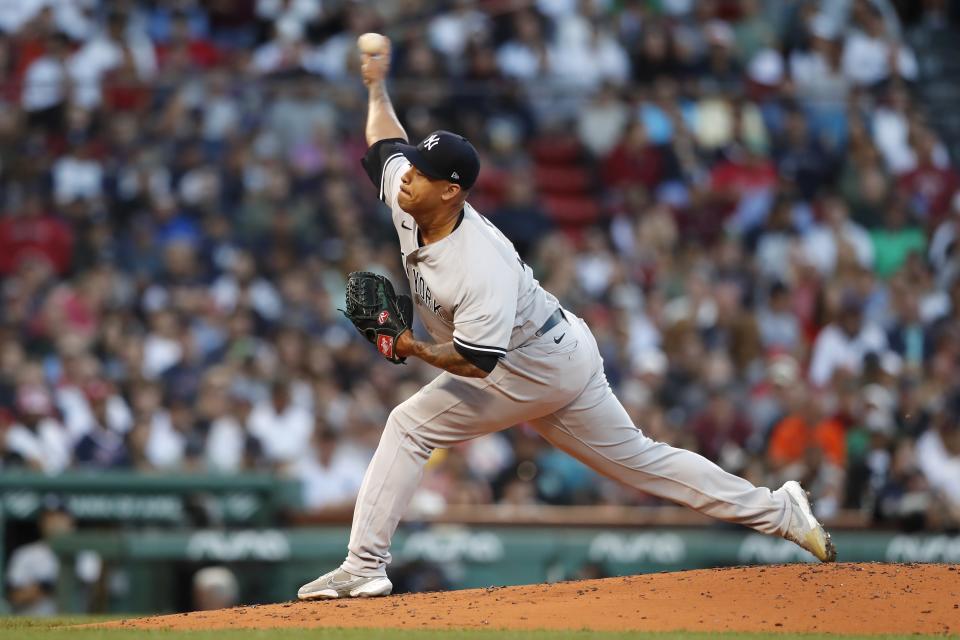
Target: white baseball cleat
x=340 y=584
x=805 y=529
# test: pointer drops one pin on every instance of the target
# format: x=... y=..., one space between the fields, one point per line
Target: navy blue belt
x=555 y=318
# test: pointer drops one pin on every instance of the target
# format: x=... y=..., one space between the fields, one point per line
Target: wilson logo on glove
x=383 y=317
x=385 y=345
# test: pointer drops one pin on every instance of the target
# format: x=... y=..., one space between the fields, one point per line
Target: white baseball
x=373 y=44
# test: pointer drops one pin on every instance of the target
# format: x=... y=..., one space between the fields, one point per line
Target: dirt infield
x=842 y=598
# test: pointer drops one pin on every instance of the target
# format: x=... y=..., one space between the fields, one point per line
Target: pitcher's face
x=420 y=194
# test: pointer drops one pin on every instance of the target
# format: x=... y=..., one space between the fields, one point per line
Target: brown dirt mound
x=841 y=598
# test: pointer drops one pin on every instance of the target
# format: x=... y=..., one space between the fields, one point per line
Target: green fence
x=272 y=563
x=153 y=532
x=136 y=498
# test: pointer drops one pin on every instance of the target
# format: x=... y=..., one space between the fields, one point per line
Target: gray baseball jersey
x=473 y=289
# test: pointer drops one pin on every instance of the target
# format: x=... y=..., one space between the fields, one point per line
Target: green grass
x=64 y=629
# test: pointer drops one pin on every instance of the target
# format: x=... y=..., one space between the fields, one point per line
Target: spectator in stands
x=283 y=429
x=895 y=241
x=945 y=241
x=33 y=232
x=866 y=185
x=38 y=440
x=721 y=69
x=242 y=282
x=721 y=430
x=890 y=130
x=836 y=239
x=801 y=158
x=524 y=56
x=163 y=345
x=753 y=30
x=869 y=444
x=119 y=47
x=905 y=498
x=807 y=424
x=331 y=472
x=654 y=53
x=80 y=383
x=585 y=53
x=938 y=453
x=180 y=214
x=907 y=336
x=100 y=447
x=929 y=186
x=777 y=242
x=78 y=175
x=228 y=447
x=452 y=31
x=826 y=481
x=741 y=183
x=601 y=122
x=872 y=55
x=634 y=160
x=521 y=216
x=33 y=569
x=451 y=482
x=46 y=85
x=284 y=52
x=185 y=49
x=778 y=325
x=842 y=345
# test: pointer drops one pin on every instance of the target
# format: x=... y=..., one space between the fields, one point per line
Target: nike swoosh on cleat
x=557 y=340
x=337 y=585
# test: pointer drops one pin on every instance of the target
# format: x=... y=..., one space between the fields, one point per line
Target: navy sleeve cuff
x=486 y=359
x=376 y=157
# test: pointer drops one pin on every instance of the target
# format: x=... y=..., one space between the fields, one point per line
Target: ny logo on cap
x=431 y=142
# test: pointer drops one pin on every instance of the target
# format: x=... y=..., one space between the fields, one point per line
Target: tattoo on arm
x=445 y=357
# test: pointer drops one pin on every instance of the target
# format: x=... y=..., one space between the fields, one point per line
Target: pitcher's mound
x=840 y=598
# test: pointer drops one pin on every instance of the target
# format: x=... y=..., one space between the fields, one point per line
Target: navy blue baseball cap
x=445 y=156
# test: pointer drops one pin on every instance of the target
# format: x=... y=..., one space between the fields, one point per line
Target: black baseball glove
x=378 y=313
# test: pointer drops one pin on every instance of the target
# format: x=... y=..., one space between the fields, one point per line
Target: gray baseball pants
x=561 y=390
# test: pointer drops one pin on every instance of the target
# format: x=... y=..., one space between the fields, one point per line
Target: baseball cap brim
x=417 y=159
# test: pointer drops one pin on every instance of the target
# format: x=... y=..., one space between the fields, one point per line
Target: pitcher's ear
x=451 y=192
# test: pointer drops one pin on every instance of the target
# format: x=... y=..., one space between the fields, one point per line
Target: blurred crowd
x=741 y=197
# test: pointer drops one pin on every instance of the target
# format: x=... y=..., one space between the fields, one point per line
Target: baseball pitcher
x=509 y=354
